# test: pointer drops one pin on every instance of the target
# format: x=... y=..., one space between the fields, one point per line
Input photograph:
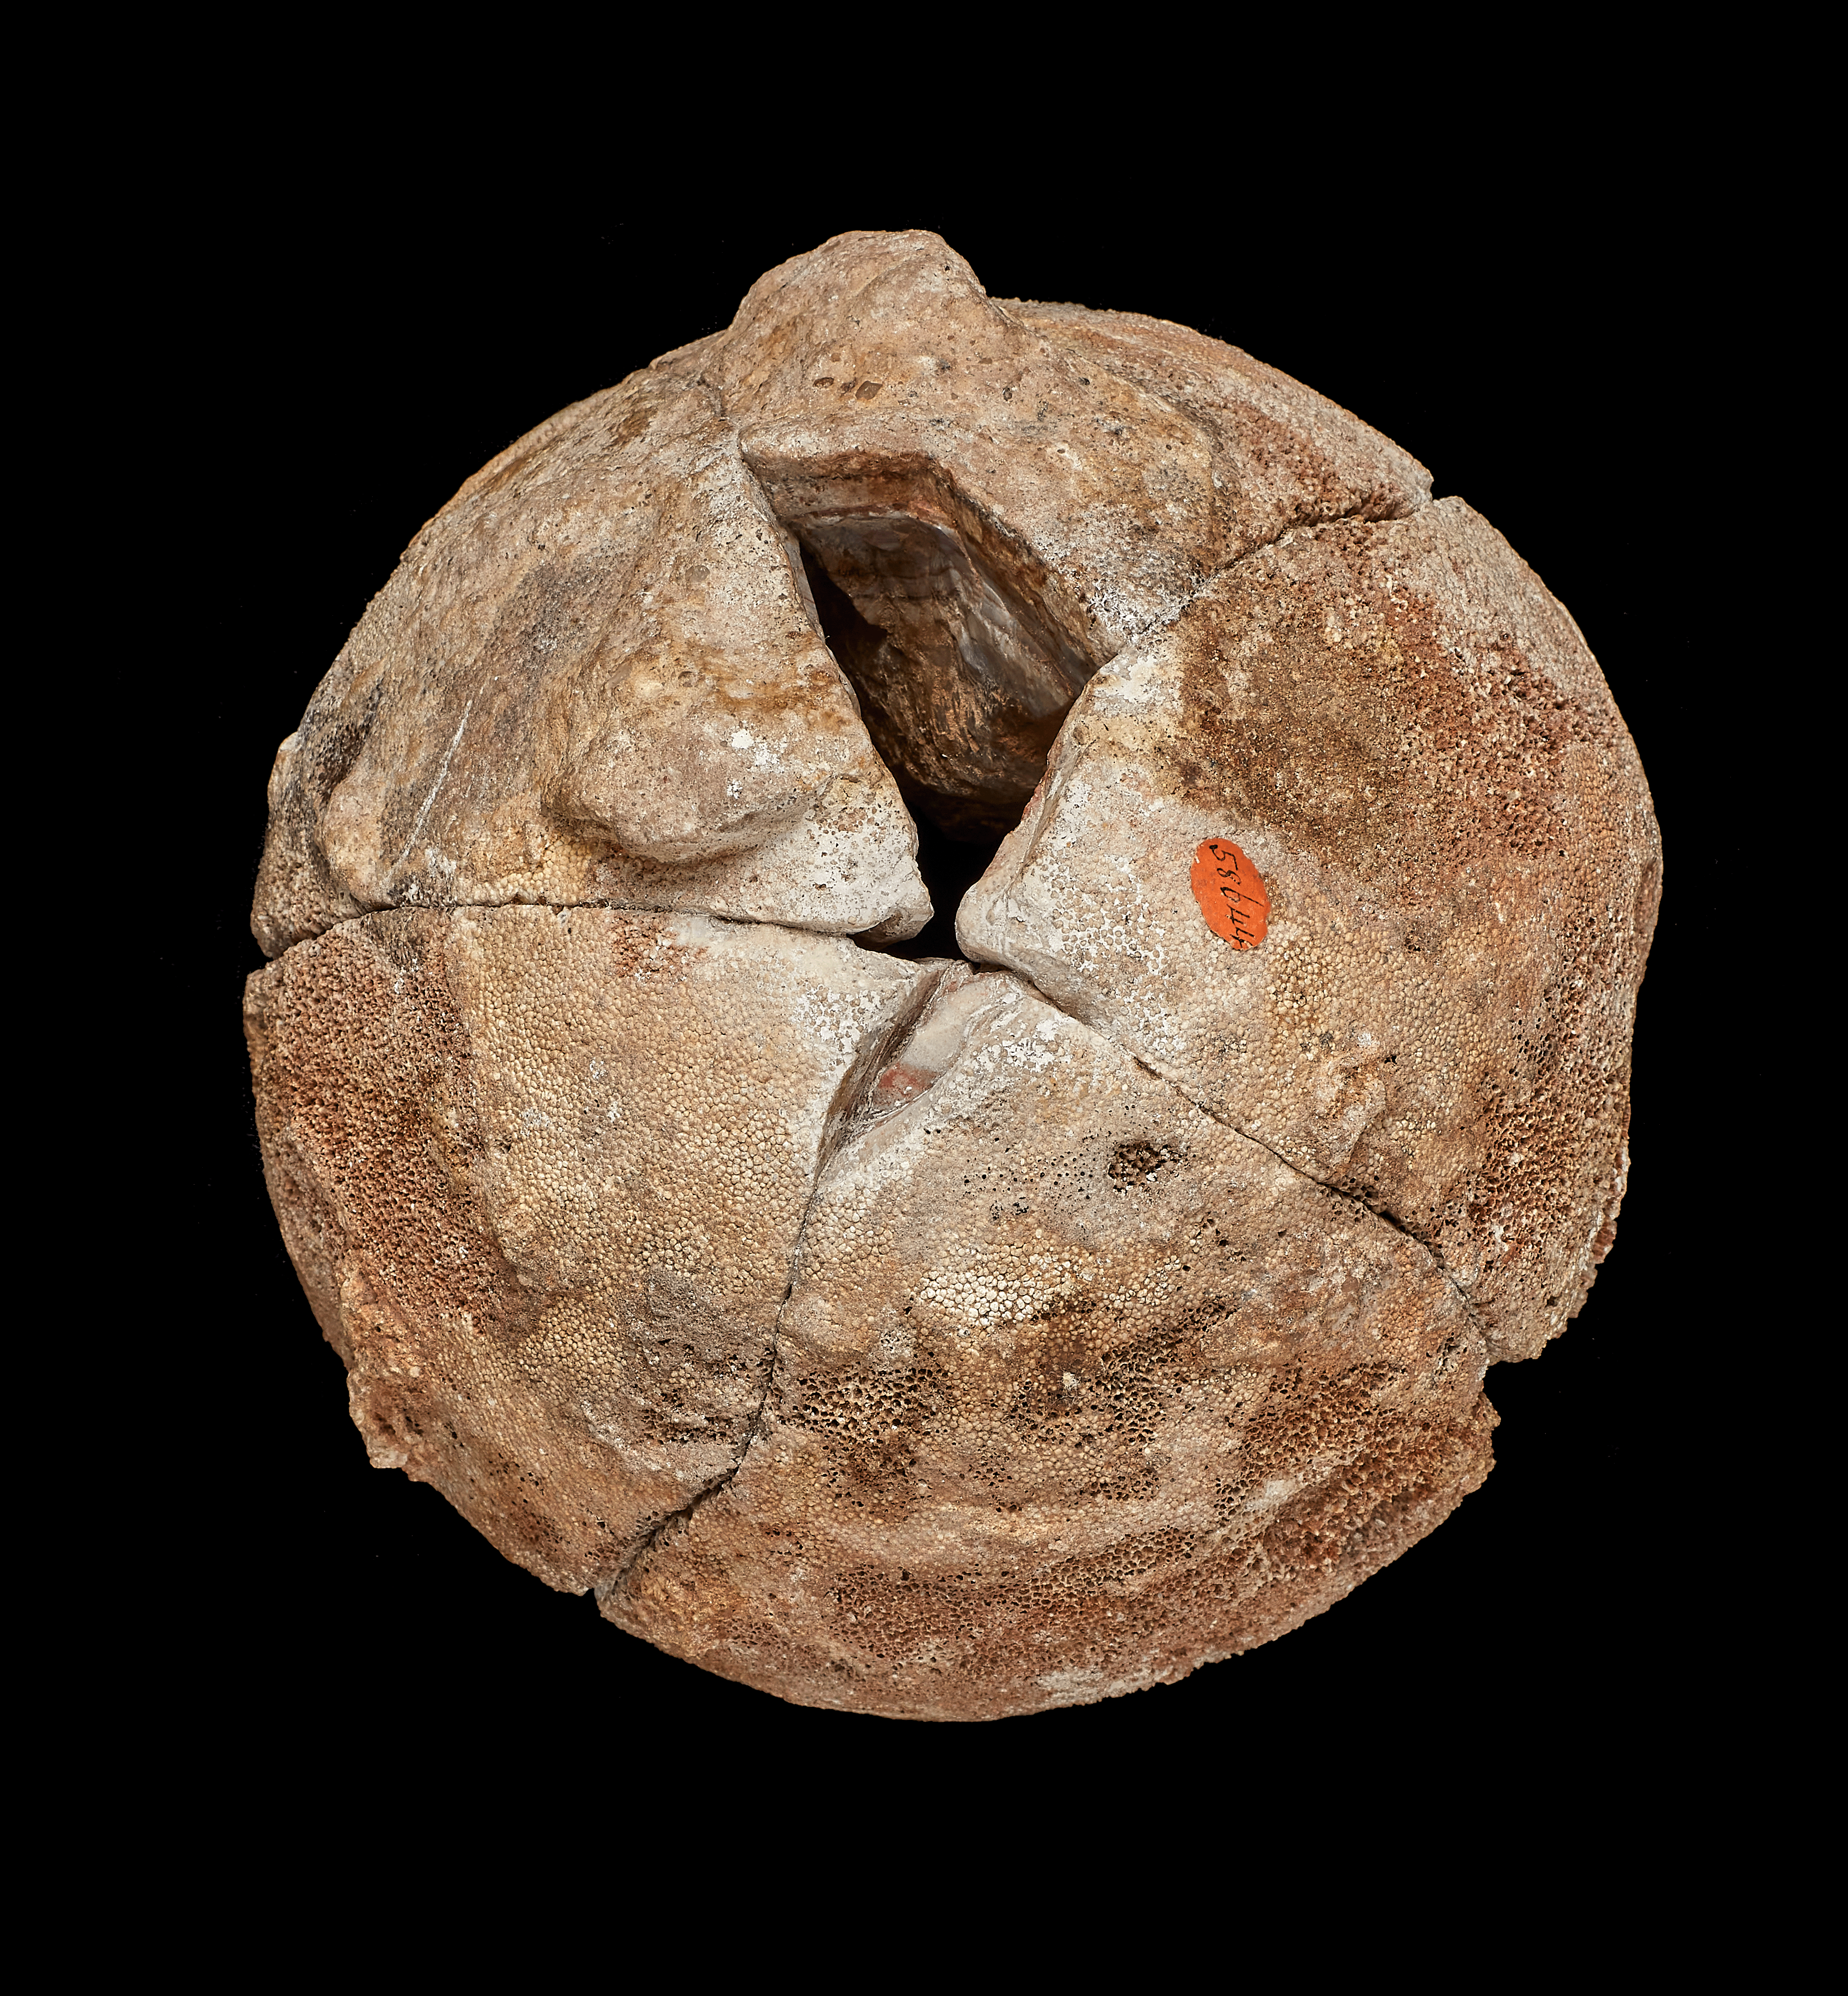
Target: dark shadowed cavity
x=963 y=683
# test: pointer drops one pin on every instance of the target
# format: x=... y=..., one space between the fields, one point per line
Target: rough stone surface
x=1077 y=1389
x=543 y=1173
x=1409 y=737
x=935 y=1339
x=596 y=676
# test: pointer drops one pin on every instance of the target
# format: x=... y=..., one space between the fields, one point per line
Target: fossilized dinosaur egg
x=958 y=1334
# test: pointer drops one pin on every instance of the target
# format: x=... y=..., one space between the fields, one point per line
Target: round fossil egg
x=943 y=973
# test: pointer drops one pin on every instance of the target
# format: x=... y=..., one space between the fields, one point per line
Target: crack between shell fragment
x=607 y=1590
x=1309 y=1178
x=1207 y=578
x=838 y=1131
x=612 y=1587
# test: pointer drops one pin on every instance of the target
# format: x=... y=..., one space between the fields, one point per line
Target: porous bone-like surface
x=884 y=1334
x=543 y=1173
x=1408 y=736
x=1077 y=1389
x=595 y=676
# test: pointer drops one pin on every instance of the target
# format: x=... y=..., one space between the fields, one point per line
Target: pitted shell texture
x=948 y=1335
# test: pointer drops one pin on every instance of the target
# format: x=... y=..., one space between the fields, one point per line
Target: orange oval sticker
x=1230 y=893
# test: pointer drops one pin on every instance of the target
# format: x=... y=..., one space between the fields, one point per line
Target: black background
x=341 y=360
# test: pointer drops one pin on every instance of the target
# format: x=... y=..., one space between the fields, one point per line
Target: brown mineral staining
x=950 y=1338
x=1230 y=892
